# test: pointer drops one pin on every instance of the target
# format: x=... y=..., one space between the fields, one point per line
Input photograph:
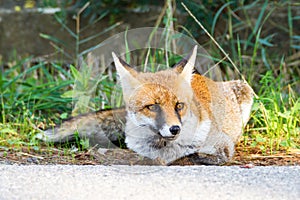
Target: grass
x=275 y=118
x=30 y=95
x=39 y=94
x=274 y=124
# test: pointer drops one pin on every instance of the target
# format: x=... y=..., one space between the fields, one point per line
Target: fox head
x=158 y=101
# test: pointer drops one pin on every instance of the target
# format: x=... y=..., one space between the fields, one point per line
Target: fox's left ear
x=186 y=66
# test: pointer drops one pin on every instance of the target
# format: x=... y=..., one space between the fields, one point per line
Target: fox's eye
x=153 y=107
x=179 y=106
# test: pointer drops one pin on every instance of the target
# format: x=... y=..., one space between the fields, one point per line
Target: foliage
x=98 y=9
x=276 y=117
x=30 y=94
x=267 y=53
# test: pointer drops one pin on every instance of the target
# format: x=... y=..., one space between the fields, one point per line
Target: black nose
x=174 y=130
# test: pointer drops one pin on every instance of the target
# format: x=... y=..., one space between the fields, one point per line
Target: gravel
x=148 y=182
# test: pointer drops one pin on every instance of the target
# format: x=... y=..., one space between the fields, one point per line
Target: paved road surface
x=142 y=183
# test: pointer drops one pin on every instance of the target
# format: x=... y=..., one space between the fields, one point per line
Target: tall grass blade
x=217 y=15
x=258 y=23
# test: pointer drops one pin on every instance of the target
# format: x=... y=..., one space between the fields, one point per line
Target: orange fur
x=209 y=122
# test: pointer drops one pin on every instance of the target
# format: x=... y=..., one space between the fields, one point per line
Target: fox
x=169 y=115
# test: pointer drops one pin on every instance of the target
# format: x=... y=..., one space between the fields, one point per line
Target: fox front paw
x=207 y=159
x=222 y=156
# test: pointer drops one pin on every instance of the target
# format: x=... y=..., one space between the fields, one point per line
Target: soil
x=244 y=157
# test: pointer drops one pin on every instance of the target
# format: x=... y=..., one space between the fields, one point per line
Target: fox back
x=176 y=113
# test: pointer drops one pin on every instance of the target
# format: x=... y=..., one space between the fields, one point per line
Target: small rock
x=33 y=160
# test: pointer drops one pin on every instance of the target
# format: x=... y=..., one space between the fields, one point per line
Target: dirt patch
x=244 y=157
x=255 y=157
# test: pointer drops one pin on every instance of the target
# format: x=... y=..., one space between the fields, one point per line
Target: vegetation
x=261 y=37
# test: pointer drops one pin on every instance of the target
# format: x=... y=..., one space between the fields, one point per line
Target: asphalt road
x=153 y=182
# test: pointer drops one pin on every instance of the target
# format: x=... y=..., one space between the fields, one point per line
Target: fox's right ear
x=127 y=76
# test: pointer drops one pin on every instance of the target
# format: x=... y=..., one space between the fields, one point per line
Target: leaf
x=253 y=144
x=59 y=20
x=260 y=139
x=296 y=37
x=218 y=13
x=98 y=34
x=263 y=148
x=64 y=115
x=285 y=115
x=284 y=143
x=75 y=72
x=85 y=143
x=265 y=42
x=68 y=94
x=53 y=39
x=8 y=130
x=296 y=46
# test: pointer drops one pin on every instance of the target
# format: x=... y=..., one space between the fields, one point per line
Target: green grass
x=30 y=95
x=275 y=118
x=38 y=94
